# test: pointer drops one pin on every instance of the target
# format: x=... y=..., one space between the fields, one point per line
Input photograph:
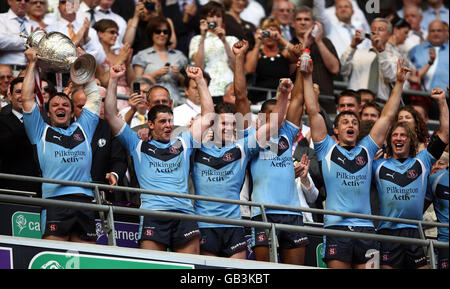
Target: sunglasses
x=163 y=31
x=112 y=32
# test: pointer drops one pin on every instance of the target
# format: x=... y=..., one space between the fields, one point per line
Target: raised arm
x=381 y=126
x=264 y=132
x=295 y=109
x=317 y=123
x=114 y=121
x=204 y=122
x=28 y=84
x=438 y=94
x=240 y=83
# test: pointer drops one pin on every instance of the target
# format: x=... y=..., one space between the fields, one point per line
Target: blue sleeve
x=427 y=159
x=323 y=147
x=290 y=130
x=429 y=193
x=88 y=121
x=34 y=125
x=371 y=146
x=128 y=138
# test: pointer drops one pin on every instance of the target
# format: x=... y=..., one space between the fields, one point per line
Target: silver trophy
x=57 y=53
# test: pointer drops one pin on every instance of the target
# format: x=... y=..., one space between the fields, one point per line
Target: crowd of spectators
x=157 y=41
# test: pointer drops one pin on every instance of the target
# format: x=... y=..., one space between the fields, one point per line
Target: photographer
x=211 y=50
x=269 y=60
x=136 y=33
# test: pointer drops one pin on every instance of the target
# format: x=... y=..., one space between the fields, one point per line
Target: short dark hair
x=60 y=94
x=272 y=101
x=212 y=8
x=224 y=107
x=103 y=24
x=13 y=83
x=340 y=115
x=350 y=93
x=159 y=108
x=371 y=104
x=402 y=24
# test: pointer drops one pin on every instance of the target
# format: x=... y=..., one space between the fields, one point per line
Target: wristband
x=430 y=62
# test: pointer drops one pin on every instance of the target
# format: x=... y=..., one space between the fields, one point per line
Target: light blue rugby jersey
x=401 y=188
x=63 y=153
x=437 y=192
x=273 y=173
x=347 y=177
x=220 y=172
x=161 y=167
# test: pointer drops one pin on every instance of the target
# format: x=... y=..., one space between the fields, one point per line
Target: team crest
x=149 y=232
x=101 y=142
x=412 y=174
x=360 y=161
x=282 y=145
x=261 y=238
x=174 y=150
x=332 y=251
x=78 y=137
x=228 y=157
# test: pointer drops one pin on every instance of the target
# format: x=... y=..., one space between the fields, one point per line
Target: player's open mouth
x=350 y=132
x=60 y=115
x=399 y=145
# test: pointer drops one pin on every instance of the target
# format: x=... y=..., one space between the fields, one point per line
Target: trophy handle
x=83 y=69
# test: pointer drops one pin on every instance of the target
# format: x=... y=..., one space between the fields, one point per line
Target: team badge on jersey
x=401 y=179
x=66 y=141
x=350 y=165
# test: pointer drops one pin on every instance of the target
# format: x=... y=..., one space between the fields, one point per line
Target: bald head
x=437 y=33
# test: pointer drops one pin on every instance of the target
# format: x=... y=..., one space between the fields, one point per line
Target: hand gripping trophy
x=57 y=53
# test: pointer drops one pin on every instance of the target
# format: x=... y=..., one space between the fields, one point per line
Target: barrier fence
x=107 y=212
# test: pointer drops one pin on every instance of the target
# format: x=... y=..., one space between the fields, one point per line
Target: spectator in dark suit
x=108 y=156
x=17 y=155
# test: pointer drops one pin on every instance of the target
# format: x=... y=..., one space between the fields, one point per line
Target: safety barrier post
x=108 y=222
x=272 y=237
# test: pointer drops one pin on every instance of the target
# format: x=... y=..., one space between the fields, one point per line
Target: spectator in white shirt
x=80 y=33
x=369 y=68
x=12 y=45
x=136 y=113
x=103 y=10
x=307 y=191
x=37 y=11
x=413 y=15
x=183 y=114
x=87 y=10
x=341 y=32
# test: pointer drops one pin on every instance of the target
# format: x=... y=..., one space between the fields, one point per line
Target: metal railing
x=106 y=213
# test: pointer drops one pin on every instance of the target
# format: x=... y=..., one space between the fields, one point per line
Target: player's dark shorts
x=223 y=241
x=442 y=258
x=286 y=239
x=350 y=250
x=61 y=221
x=170 y=232
x=400 y=255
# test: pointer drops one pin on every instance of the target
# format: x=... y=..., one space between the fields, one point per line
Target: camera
x=366 y=35
x=212 y=25
x=265 y=34
x=150 y=6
